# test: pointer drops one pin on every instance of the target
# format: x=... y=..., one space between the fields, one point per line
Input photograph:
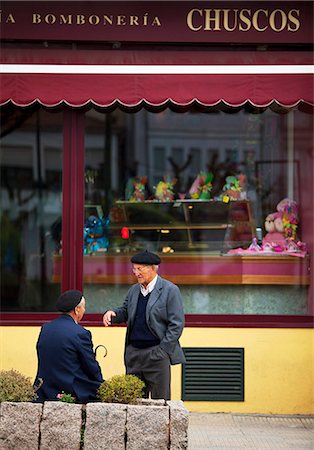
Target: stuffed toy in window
x=281 y=226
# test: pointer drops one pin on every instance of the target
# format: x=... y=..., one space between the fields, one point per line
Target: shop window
x=160 y=158
x=205 y=214
x=159 y=163
x=232 y=155
x=196 y=162
x=31 y=186
x=176 y=155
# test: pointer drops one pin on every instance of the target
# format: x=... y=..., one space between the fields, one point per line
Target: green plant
x=16 y=387
x=121 y=389
x=66 y=398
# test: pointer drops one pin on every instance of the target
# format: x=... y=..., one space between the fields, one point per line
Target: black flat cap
x=68 y=300
x=146 y=258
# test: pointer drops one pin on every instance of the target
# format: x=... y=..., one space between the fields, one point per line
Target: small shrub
x=15 y=387
x=121 y=389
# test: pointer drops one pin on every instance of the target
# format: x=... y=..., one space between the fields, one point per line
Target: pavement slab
x=250 y=431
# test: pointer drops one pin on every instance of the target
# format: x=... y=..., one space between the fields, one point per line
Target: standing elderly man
x=66 y=361
x=153 y=310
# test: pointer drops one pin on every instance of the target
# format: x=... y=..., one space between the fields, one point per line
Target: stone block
x=61 y=426
x=149 y=401
x=105 y=426
x=179 y=423
x=147 y=427
x=19 y=425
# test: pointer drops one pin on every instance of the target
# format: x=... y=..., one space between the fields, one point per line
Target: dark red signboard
x=159 y=21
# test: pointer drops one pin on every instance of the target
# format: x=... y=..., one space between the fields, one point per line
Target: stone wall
x=147 y=425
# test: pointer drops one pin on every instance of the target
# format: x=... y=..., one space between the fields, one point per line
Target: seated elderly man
x=66 y=361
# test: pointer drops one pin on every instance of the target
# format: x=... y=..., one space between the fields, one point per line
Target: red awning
x=156 y=79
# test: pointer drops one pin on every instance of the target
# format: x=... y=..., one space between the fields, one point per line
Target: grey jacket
x=164 y=316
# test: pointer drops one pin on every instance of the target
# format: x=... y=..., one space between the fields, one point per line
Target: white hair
x=81 y=302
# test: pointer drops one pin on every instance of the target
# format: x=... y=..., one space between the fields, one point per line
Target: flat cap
x=146 y=258
x=68 y=300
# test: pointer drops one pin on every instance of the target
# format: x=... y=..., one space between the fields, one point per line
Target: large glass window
x=31 y=188
x=223 y=198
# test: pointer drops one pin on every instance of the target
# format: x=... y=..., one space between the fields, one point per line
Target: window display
x=208 y=226
x=220 y=208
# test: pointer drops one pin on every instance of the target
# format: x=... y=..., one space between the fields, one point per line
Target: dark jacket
x=164 y=316
x=66 y=361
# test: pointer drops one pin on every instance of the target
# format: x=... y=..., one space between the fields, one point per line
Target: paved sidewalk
x=253 y=432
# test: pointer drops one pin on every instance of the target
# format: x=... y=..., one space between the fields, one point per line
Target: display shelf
x=187 y=224
x=189 y=257
x=199 y=269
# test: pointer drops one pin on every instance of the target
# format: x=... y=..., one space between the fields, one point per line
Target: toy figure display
x=164 y=190
x=281 y=226
x=275 y=237
x=235 y=188
x=95 y=235
x=136 y=189
x=290 y=217
x=281 y=236
x=202 y=186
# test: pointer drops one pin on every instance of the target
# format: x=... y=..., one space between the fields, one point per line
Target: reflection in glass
x=195 y=187
x=31 y=186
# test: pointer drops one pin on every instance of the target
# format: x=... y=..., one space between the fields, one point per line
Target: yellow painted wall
x=279 y=364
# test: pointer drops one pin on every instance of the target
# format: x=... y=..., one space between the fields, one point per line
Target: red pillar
x=73 y=200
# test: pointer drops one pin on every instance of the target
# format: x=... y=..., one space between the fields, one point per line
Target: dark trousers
x=152 y=365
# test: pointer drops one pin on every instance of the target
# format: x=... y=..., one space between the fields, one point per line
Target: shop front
x=188 y=133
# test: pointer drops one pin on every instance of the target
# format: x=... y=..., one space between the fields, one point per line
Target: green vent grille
x=213 y=374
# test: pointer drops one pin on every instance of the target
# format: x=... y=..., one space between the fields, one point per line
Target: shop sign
x=158 y=21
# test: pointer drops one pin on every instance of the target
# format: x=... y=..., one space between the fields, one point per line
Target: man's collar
x=67 y=315
x=148 y=289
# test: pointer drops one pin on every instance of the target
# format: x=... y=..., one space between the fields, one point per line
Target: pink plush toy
x=281 y=226
x=274 y=227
